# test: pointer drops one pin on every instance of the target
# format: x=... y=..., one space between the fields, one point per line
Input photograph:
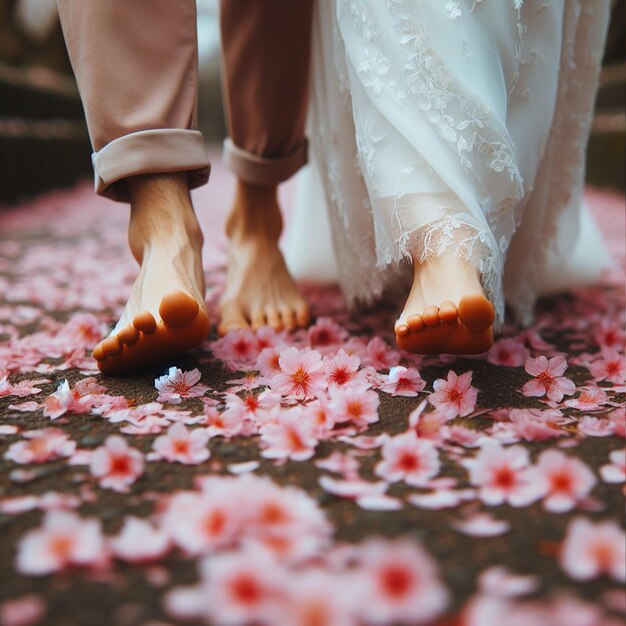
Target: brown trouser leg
x=136 y=66
x=266 y=52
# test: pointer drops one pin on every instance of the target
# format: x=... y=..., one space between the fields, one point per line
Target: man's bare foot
x=165 y=313
x=259 y=289
x=446 y=311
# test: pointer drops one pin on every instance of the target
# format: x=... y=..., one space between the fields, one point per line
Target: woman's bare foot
x=446 y=311
x=165 y=313
x=259 y=289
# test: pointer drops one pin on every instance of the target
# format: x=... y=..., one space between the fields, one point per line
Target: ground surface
x=490 y=504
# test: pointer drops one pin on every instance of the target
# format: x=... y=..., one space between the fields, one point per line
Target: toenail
x=403 y=330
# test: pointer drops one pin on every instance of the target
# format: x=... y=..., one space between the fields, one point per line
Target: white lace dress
x=450 y=127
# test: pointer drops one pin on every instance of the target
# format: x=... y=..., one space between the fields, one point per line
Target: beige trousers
x=136 y=65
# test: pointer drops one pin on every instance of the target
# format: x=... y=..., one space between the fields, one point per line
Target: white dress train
x=449 y=127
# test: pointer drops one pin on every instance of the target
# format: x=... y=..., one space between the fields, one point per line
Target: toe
x=448 y=311
x=289 y=319
x=303 y=315
x=258 y=320
x=178 y=309
x=476 y=312
x=232 y=318
x=111 y=346
x=98 y=353
x=402 y=330
x=145 y=322
x=415 y=323
x=431 y=315
x=128 y=335
x=274 y=318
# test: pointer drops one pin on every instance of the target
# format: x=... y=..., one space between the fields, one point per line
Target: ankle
x=162 y=213
x=255 y=215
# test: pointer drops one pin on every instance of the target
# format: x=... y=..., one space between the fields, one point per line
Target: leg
x=140 y=105
x=266 y=47
x=446 y=311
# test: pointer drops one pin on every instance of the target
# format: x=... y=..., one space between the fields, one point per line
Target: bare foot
x=446 y=311
x=259 y=289
x=165 y=313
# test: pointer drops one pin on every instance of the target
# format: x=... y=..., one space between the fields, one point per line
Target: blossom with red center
x=177 y=384
x=180 y=445
x=302 y=374
x=608 y=334
x=139 y=541
x=64 y=539
x=403 y=381
x=591 y=550
x=116 y=465
x=326 y=333
x=83 y=330
x=615 y=471
x=355 y=404
x=380 y=356
x=409 y=458
x=400 y=581
x=611 y=367
x=226 y=424
x=455 y=396
x=242 y=586
x=292 y=434
x=238 y=349
x=566 y=480
x=250 y=409
x=268 y=361
x=200 y=523
x=41 y=446
x=508 y=351
x=549 y=380
x=342 y=368
x=504 y=475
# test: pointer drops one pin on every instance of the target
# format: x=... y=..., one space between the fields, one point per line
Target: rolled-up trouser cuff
x=262 y=171
x=150 y=152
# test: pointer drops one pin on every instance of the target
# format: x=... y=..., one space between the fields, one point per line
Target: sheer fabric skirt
x=451 y=128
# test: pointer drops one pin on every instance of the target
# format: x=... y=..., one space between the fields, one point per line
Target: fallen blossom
x=455 y=396
x=64 y=539
x=615 y=470
x=176 y=384
x=290 y=436
x=481 y=525
x=180 y=445
x=139 y=541
x=548 y=378
x=504 y=475
x=406 y=457
x=610 y=367
x=400 y=581
x=566 y=480
x=403 y=381
x=116 y=465
x=593 y=549
x=355 y=404
x=302 y=374
x=41 y=446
